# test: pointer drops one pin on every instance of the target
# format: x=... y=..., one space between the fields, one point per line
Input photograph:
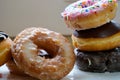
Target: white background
x=15 y=15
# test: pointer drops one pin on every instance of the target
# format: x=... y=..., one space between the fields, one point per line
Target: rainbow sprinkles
x=85 y=7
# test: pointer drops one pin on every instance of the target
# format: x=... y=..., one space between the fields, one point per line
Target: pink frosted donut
x=86 y=14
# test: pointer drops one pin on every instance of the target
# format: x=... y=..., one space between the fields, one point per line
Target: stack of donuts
x=37 y=52
x=96 y=36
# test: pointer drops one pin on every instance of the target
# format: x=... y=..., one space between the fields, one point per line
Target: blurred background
x=15 y=15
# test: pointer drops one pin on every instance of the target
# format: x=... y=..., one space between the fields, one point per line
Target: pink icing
x=85 y=7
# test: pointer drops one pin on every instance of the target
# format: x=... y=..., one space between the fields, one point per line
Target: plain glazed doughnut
x=5 y=48
x=102 y=38
x=43 y=54
x=86 y=14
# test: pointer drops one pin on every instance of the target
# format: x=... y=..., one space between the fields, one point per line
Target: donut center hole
x=46 y=47
x=44 y=53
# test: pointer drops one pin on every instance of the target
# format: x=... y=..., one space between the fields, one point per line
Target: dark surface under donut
x=102 y=61
x=105 y=30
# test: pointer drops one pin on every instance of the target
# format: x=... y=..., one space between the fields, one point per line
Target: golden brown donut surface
x=97 y=44
x=43 y=54
x=13 y=68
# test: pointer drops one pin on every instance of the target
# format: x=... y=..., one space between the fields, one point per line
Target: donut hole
x=43 y=53
x=47 y=48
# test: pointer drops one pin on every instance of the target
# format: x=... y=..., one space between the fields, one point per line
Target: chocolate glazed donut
x=103 y=60
x=100 y=61
x=100 y=32
x=105 y=37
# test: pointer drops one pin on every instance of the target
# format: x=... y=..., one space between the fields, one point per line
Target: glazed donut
x=86 y=14
x=5 y=48
x=98 y=61
x=43 y=54
x=98 y=39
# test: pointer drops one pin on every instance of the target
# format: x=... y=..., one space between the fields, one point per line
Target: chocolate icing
x=103 y=31
x=100 y=61
x=3 y=35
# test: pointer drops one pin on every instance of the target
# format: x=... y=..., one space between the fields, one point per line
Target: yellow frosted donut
x=86 y=14
x=43 y=54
